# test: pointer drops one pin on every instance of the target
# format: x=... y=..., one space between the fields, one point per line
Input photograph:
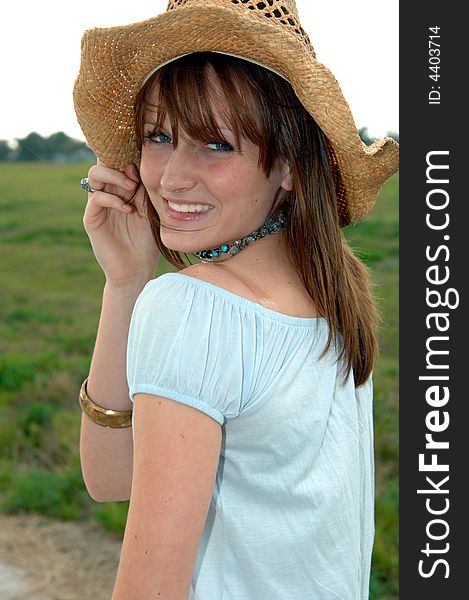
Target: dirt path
x=44 y=559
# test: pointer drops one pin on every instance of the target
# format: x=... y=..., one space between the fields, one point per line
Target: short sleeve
x=189 y=345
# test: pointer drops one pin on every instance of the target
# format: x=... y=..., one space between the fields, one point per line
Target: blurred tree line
x=60 y=147
x=57 y=147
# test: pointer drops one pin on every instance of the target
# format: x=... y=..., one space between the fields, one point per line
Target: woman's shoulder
x=274 y=288
x=206 y=283
x=192 y=279
x=220 y=290
x=221 y=278
x=193 y=285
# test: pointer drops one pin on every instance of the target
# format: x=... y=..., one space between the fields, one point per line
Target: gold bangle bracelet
x=106 y=417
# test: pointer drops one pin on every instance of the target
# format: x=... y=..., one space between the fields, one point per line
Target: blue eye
x=220 y=146
x=160 y=138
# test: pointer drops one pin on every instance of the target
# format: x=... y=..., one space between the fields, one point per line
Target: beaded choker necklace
x=230 y=249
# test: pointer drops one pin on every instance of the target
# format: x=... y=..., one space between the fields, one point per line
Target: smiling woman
x=198 y=165
x=249 y=463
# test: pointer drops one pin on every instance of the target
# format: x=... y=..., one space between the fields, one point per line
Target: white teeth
x=191 y=208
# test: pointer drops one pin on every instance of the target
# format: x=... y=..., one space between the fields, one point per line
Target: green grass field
x=51 y=289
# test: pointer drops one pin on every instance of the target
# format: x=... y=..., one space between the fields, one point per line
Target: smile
x=189 y=208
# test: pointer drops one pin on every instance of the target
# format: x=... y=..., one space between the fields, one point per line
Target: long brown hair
x=262 y=107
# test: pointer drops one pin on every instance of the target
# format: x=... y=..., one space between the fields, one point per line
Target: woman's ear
x=287 y=179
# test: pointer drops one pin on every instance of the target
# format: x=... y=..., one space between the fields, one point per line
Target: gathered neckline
x=236 y=298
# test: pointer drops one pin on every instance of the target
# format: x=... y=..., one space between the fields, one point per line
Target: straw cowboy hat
x=116 y=61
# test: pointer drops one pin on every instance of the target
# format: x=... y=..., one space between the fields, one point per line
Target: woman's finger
x=99 y=200
x=138 y=198
x=105 y=179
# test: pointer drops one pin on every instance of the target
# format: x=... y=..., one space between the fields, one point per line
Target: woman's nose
x=179 y=171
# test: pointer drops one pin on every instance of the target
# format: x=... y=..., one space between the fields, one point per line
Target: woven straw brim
x=116 y=61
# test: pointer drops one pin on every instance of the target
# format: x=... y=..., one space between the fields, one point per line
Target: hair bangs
x=185 y=91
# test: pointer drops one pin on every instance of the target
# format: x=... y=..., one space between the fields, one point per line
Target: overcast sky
x=40 y=54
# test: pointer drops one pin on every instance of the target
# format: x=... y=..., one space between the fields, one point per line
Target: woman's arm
x=106 y=454
x=116 y=223
x=176 y=455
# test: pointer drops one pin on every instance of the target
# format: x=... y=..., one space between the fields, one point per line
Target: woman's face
x=206 y=194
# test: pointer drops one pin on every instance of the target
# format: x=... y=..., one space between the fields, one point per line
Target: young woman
x=246 y=377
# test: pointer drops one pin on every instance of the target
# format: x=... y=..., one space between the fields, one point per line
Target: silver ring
x=85 y=185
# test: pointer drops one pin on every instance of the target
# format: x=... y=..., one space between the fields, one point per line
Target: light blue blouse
x=291 y=516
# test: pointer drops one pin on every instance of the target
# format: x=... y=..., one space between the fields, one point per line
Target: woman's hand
x=116 y=222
